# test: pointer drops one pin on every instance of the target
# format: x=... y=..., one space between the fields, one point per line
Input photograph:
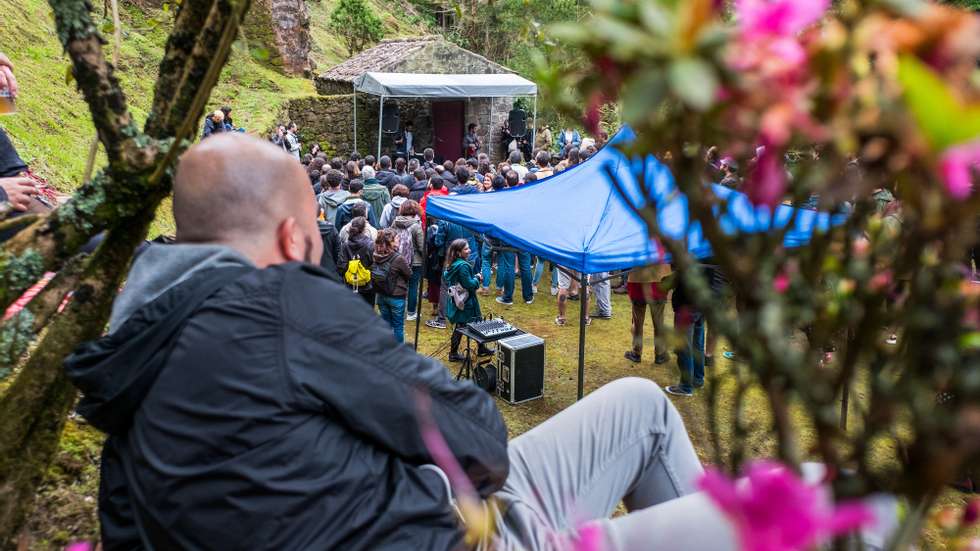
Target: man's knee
x=638 y=391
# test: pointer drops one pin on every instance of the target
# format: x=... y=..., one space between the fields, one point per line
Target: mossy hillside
x=52 y=128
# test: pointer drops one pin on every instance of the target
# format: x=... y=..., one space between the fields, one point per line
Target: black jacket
x=285 y=417
x=360 y=247
x=331 y=247
x=388 y=179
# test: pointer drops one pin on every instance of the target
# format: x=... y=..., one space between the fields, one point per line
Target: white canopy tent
x=416 y=85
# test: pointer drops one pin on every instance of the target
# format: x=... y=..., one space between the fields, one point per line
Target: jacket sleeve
x=418 y=240
x=353 y=370
x=343 y=258
x=403 y=267
x=371 y=216
x=467 y=279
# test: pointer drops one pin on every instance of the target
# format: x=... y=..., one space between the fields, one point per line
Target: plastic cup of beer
x=7 y=106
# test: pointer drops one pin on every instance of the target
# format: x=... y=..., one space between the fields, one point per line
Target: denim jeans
x=486 y=260
x=505 y=266
x=413 y=289
x=393 y=311
x=690 y=359
x=601 y=291
x=538 y=271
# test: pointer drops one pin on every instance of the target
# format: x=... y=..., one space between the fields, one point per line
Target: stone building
x=328 y=119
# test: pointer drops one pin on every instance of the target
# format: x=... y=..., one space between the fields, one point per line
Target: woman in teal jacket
x=459 y=270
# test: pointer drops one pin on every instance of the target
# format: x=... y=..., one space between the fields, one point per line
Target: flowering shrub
x=871 y=108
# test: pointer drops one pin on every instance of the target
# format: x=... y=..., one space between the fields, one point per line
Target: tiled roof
x=378 y=58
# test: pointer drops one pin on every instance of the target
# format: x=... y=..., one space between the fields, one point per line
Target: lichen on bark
x=15 y=334
x=19 y=271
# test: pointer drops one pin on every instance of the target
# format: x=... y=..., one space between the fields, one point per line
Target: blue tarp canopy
x=579 y=220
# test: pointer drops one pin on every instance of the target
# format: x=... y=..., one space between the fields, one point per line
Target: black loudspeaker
x=518 y=123
x=390 y=120
x=520 y=368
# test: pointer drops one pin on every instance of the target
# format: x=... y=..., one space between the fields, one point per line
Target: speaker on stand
x=517 y=121
x=390 y=120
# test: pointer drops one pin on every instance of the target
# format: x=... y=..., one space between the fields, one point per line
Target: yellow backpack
x=357 y=275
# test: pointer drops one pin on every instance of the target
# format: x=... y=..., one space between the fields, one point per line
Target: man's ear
x=289 y=239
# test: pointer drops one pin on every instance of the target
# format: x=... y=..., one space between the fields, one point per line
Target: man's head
x=226 y=111
x=217 y=116
x=409 y=126
x=515 y=157
x=359 y=209
x=471 y=128
x=292 y=127
x=543 y=159
x=367 y=172
x=512 y=178
x=435 y=183
x=384 y=162
x=369 y=160
x=449 y=165
x=499 y=183
x=247 y=194
x=337 y=163
x=428 y=154
x=418 y=174
x=462 y=174
x=400 y=165
x=413 y=163
x=355 y=187
x=400 y=190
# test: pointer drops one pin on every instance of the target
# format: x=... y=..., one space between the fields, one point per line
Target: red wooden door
x=447 y=129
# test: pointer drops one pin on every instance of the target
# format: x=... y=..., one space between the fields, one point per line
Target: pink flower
x=781 y=282
x=971 y=513
x=777 y=17
x=773 y=510
x=767 y=183
x=955 y=167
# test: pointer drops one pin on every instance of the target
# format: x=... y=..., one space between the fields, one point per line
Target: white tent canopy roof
x=444 y=86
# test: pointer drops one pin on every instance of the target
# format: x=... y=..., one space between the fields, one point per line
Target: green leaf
x=970 y=341
x=656 y=18
x=107 y=28
x=694 y=81
x=166 y=7
x=643 y=94
x=943 y=120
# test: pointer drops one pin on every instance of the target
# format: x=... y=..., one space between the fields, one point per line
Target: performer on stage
x=405 y=141
x=471 y=142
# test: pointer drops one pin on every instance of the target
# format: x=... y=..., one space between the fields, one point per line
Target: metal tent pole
x=381 y=118
x=534 y=124
x=490 y=131
x=355 y=117
x=584 y=301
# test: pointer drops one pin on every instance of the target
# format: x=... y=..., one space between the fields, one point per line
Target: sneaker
x=456 y=358
x=728 y=355
x=554 y=291
x=435 y=324
x=534 y=289
x=531 y=301
x=560 y=321
x=411 y=316
x=601 y=316
x=632 y=356
x=661 y=359
x=892 y=339
x=678 y=390
x=500 y=300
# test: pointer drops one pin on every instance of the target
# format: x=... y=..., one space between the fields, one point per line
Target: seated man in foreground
x=253 y=403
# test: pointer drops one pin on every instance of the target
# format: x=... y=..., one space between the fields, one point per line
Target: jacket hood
x=333 y=198
x=455 y=267
x=402 y=222
x=398 y=200
x=166 y=285
x=381 y=258
x=160 y=267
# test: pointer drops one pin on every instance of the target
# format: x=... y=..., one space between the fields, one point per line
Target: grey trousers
x=602 y=292
x=623 y=443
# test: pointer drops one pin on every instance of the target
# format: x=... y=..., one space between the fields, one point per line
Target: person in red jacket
x=436 y=187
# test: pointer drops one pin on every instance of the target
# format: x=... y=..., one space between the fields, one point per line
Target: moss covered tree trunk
x=120 y=201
